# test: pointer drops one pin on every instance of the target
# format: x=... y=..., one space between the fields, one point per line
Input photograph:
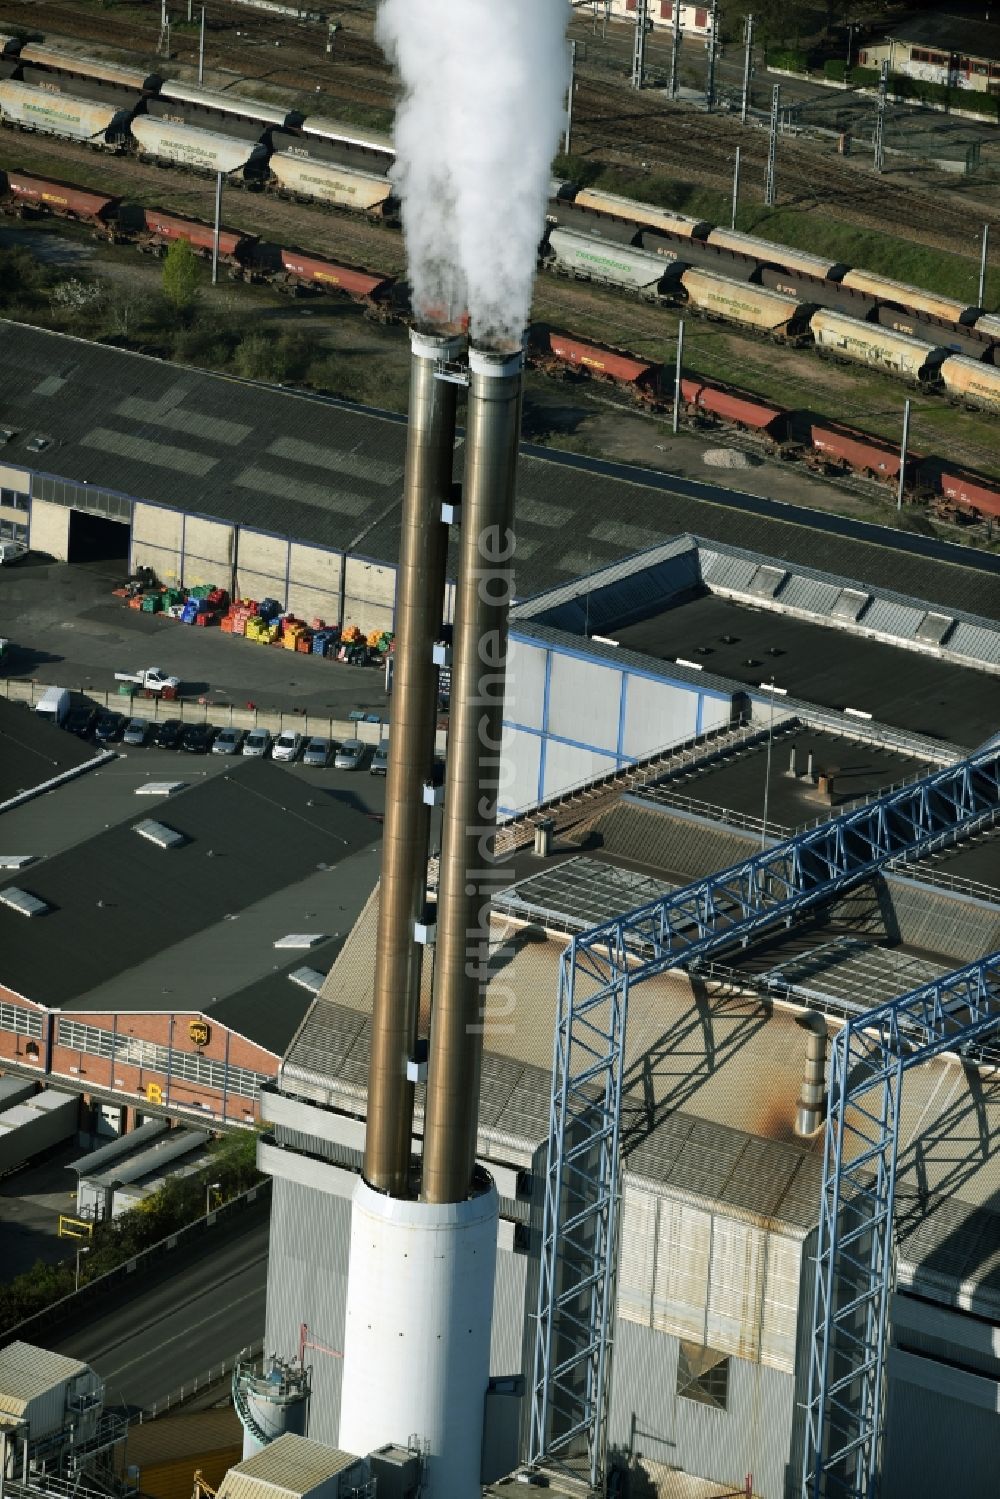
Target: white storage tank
x=270 y=1402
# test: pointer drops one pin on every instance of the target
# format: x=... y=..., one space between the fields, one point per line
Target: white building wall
x=158 y=541
x=49 y=529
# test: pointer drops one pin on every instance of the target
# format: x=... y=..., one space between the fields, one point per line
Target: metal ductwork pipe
x=479 y=661
x=812 y=1098
x=420 y=590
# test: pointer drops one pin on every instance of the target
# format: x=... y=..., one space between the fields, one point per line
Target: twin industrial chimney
x=423 y=1238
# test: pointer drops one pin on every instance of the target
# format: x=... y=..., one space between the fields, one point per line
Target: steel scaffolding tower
x=854 y=1258
x=576 y=1296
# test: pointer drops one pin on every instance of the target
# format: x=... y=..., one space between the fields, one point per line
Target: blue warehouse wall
x=570 y=715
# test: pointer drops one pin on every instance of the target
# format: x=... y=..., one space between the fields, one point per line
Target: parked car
x=80 y=720
x=350 y=755
x=137 y=732
x=257 y=743
x=108 y=727
x=287 y=746
x=167 y=735
x=197 y=738
x=318 y=751
x=228 y=742
x=380 y=759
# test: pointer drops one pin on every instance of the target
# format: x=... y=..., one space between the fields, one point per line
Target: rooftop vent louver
x=159 y=833
x=22 y=902
x=850 y=603
x=15 y=861
x=38 y=443
x=308 y=978
x=300 y=939
x=933 y=628
x=767 y=580
x=159 y=788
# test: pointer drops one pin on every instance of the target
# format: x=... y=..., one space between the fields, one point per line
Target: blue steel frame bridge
x=570 y=1382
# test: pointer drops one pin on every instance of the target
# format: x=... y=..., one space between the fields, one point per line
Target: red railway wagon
x=200 y=237
x=969 y=492
x=607 y=362
x=61 y=198
x=866 y=455
x=754 y=415
x=327 y=274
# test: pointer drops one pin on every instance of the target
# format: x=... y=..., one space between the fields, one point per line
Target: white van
x=11 y=551
x=54 y=704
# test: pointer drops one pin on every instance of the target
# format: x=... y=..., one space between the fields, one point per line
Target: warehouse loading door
x=95 y=538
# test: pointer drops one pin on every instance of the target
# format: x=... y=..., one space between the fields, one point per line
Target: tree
x=180 y=275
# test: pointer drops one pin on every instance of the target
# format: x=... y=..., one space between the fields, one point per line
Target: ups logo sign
x=199 y=1031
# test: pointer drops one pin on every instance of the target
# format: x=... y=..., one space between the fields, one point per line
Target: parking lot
x=65 y=628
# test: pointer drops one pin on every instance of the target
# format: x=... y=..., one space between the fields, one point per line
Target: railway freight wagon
x=590 y=259
x=229 y=104
x=971 y=495
x=856 y=452
x=740 y=411
x=324 y=182
x=163 y=229
x=749 y=306
x=325 y=275
x=355 y=138
x=899 y=294
x=102 y=124
x=972 y=383
x=831 y=294
x=862 y=343
x=648 y=214
x=956 y=338
x=45 y=196
x=199 y=150
x=765 y=252
x=60 y=65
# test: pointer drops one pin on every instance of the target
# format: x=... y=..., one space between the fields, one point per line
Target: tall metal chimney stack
x=420 y=1287
x=479 y=661
x=419 y=612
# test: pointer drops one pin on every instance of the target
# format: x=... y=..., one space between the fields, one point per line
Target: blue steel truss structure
x=576 y=1294
x=854 y=1260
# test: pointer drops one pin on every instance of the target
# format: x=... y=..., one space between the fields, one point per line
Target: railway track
x=663 y=135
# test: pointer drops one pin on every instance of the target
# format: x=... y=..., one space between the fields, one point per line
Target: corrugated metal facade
x=650 y=1421
x=307 y=1282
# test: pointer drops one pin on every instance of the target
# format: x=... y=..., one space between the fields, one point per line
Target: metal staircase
x=581 y=1186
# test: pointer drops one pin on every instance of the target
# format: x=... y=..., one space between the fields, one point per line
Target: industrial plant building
x=616 y=1266
x=755 y=747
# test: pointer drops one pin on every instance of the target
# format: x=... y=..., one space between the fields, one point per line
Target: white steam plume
x=484 y=84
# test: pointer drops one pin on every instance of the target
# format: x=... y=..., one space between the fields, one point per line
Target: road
x=181 y=1318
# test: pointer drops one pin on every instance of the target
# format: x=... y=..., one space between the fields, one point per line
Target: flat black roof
x=118 y=900
x=736 y=782
x=34 y=750
x=831 y=668
x=328 y=473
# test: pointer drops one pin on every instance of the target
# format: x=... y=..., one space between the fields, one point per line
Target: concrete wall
x=158 y=541
x=369 y=594
x=315 y=578
x=50 y=529
x=570 y=716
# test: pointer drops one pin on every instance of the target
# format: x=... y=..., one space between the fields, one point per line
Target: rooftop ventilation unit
x=16 y=861
x=850 y=604
x=300 y=939
x=159 y=788
x=20 y=901
x=934 y=628
x=38 y=443
x=159 y=833
x=767 y=580
x=308 y=978
x=6 y=435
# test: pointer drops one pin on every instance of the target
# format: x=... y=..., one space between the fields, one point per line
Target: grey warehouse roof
x=288 y=1465
x=327 y=473
x=27 y=1372
x=118 y=901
